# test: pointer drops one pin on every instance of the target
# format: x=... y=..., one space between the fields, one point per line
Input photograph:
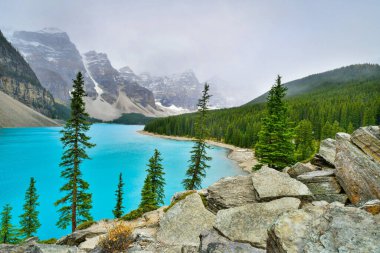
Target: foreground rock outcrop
x=357 y=173
x=328 y=228
x=183 y=223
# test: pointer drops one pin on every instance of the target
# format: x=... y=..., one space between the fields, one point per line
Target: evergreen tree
x=148 y=197
x=350 y=128
x=156 y=173
x=29 y=219
x=76 y=204
x=118 y=211
x=326 y=131
x=198 y=161
x=7 y=232
x=275 y=146
x=304 y=140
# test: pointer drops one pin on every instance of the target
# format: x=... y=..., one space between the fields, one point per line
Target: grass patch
x=182 y=197
x=85 y=224
x=48 y=241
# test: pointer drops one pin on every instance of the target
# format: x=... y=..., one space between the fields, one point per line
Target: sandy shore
x=242 y=156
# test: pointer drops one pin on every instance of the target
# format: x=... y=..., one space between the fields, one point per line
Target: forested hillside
x=339 y=100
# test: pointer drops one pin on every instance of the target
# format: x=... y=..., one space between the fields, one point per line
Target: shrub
x=257 y=167
x=117 y=239
x=134 y=214
x=48 y=241
x=137 y=213
x=85 y=224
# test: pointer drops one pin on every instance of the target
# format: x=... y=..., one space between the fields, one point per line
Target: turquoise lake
x=36 y=152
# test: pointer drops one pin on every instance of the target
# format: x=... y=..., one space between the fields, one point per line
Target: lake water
x=36 y=152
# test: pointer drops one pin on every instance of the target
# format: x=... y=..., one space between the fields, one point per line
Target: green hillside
x=337 y=100
x=336 y=77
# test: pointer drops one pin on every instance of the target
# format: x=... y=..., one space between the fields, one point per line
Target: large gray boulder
x=271 y=184
x=326 y=154
x=300 y=168
x=368 y=140
x=230 y=192
x=329 y=228
x=356 y=172
x=213 y=242
x=183 y=223
x=249 y=223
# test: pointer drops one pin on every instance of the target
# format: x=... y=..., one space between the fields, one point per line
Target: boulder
x=372 y=206
x=368 y=140
x=330 y=198
x=330 y=186
x=317 y=176
x=230 y=192
x=271 y=184
x=249 y=223
x=326 y=154
x=183 y=223
x=328 y=228
x=300 y=168
x=213 y=242
x=79 y=236
x=356 y=172
x=90 y=243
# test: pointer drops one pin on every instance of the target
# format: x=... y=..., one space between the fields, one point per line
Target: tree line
x=329 y=109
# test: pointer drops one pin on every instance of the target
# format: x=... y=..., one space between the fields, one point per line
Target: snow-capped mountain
x=116 y=93
x=180 y=90
x=54 y=59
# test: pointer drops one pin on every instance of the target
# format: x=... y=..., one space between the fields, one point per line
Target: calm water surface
x=36 y=152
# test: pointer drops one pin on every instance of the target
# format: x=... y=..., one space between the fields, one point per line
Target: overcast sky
x=245 y=43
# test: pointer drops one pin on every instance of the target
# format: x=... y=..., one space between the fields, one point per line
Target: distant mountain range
x=111 y=93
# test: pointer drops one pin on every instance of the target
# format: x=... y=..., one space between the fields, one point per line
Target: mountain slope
x=15 y=114
x=336 y=77
x=351 y=102
x=18 y=80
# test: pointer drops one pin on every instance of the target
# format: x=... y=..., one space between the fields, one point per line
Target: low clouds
x=244 y=43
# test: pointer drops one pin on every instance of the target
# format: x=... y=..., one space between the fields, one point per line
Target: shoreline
x=243 y=157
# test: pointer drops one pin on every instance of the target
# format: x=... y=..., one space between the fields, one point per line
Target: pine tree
x=118 y=211
x=326 y=131
x=156 y=173
x=198 y=161
x=76 y=204
x=304 y=140
x=148 y=198
x=350 y=128
x=29 y=219
x=7 y=232
x=275 y=146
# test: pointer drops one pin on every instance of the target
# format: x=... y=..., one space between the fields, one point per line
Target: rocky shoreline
x=331 y=204
x=244 y=157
